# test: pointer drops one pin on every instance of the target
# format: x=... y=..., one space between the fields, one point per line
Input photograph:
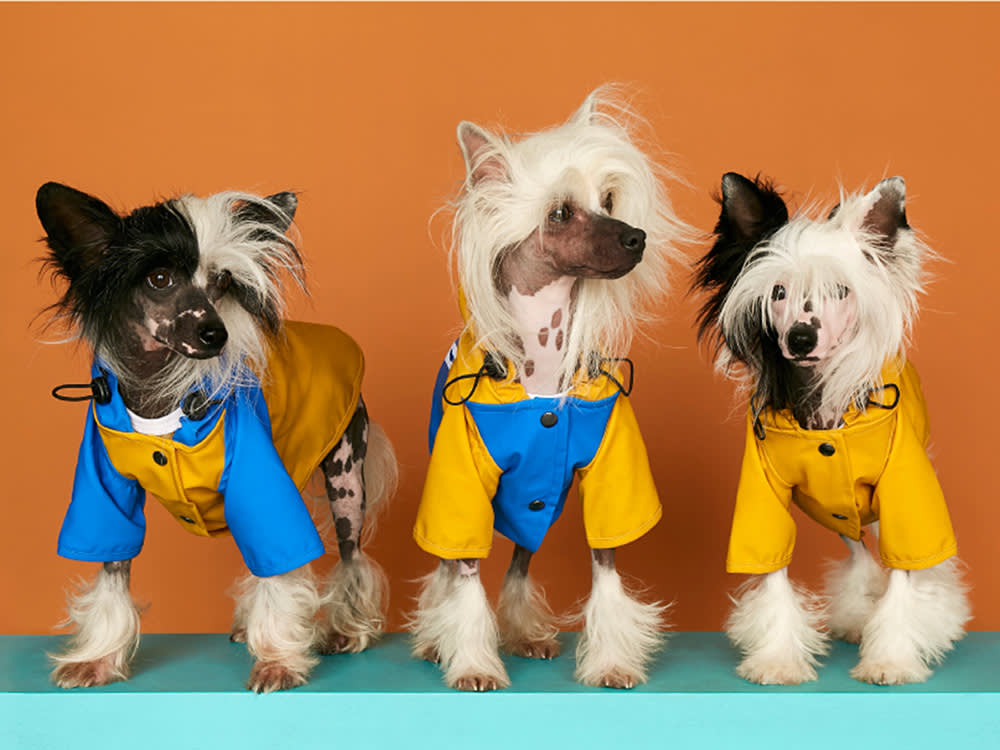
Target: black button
x=536 y=505
x=185 y=519
x=839 y=517
x=159 y=458
x=549 y=419
x=827 y=449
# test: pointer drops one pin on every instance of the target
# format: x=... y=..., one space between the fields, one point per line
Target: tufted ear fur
x=585 y=114
x=484 y=160
x=886 y=213
x=276 y=210
x=78 y=227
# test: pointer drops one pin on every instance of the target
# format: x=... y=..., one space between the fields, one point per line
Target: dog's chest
x=543 y=325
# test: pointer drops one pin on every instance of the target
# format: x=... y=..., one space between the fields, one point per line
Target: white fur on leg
x=917 y=621
x=278 y=613
x=455 y=624
x=106 y=636
x=354 y=605
x=527 y=624
x=776 y=626
x=620 y=634
x=853 y=586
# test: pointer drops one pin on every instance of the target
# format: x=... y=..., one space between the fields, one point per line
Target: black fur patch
x=344 y=529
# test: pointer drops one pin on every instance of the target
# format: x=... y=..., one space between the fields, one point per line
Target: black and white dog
x=204 y=396
x=812 y=316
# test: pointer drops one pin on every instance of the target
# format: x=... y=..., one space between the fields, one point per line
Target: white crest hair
x=811 y=258
x=258 y=255
x=592 y=153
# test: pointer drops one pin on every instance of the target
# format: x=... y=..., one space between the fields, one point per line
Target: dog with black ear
x=812 y=317
x=204 y=396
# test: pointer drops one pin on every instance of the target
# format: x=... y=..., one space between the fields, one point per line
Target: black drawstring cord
x=895 y=401
x=491 y=368
x=99 y=389
x=758 y=425
x=612 y=378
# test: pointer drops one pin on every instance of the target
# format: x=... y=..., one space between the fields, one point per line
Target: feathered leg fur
x=107 y=631
x=620 y=634
x=777 y=627
x=854 y=586
x=360 y=476
x=454 y=626
x=917 y=621
x=527 y=624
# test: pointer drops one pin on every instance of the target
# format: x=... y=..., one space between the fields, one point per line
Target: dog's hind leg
x=360 y=474
x=777 y=627
x=527 y=625
x=853 y=587
x=454 y=626
x=107 y=631
x=916 y=622
x=276 y=615
x=620 y=634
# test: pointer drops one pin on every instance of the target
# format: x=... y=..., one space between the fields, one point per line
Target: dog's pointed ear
x=750 y=207
x=484 y=159
x=78 y=226
x=885 y=210
x=585 y=114
x=276 y=210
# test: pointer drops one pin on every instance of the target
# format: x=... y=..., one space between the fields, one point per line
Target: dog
x=548 y=234
x=205 y=397
x=813 y=317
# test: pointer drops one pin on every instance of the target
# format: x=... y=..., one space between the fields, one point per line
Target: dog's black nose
x=633 y=240
x=801 y=339
x=212 y=334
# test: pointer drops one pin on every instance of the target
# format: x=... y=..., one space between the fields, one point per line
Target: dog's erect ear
x=483 y=158
x=750 y=208
x=78 y=226
x=285 y=203
x=587 y=110
x=886 y=210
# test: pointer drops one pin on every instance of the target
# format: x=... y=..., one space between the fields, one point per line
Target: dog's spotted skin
x=344 y=470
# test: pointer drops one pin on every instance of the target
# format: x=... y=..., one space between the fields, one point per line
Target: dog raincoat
x=874 y=468
x=238 y=469
x=502 y=459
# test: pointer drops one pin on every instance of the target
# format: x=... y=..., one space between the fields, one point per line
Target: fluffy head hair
x=104 y=258
x=510 y=188
x=864 y=246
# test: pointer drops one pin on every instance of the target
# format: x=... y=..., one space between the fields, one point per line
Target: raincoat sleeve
x=763 y=531
x=455 y=517
x=620 y=502
x=105 y=521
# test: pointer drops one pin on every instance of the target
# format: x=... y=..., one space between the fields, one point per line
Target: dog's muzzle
x=633 y=240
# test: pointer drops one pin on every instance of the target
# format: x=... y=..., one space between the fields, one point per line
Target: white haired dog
x=548 y=235
x=206 y=398
x=814 y=316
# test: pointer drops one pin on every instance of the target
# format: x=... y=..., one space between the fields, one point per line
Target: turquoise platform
x=187 y=694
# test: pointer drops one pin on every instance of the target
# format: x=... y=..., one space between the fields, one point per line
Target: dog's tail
x=381 y=476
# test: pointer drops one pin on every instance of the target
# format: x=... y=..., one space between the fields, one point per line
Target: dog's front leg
x=454 y=626
x=916 y=622
x=527 y=625
x=107 y=631
x=777 y=627
x=853 y=587
x=620 y=634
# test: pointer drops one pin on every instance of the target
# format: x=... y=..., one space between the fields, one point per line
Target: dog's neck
x=137 y=384
x=543 y=320
x=807 y=399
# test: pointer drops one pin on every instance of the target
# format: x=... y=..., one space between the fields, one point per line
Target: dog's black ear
x=277 y=210
x=484 y=160
x=887 y=212
x=750 y=208
x=78 y=227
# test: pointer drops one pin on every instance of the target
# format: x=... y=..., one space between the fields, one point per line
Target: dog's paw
x=338 y=643
x=547 y=649
x=87 y=673
x=771 y=672
x=888 y=673
x=619 y=679
x=848 y=635
x=238 y=635
x=268 y=676
x=480 y=683
x=427 y=654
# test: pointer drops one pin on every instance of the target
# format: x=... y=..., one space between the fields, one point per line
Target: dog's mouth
x=593 y=272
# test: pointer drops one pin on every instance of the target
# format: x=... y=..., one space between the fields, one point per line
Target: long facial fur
x=511 y=186
x=105 y=261
x=811 y=257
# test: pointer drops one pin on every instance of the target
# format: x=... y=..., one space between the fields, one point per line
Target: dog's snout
x=801 y=339
x=633 y=240
x=213 y=334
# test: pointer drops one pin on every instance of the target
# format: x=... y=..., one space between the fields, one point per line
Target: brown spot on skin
x=559 y=339
x=556 y=318
x=529 y=367
x=543 y=336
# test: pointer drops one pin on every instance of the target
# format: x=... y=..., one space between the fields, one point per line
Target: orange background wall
x=356 y=107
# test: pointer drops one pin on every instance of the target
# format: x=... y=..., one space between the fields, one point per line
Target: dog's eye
x=778 y=293
x=609 y=202
x=841 y=291
x=561 y=214
x=160 y=279
x=222 y=280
